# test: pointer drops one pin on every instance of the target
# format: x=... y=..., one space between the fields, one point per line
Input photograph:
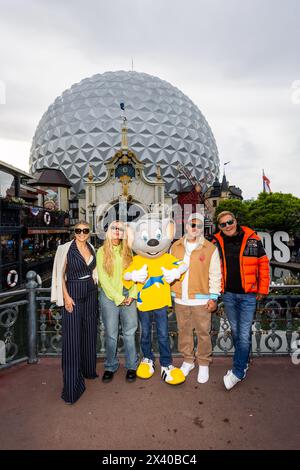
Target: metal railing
x=30 y=326
x=14 y=214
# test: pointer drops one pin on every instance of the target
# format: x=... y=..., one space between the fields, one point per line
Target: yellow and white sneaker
x=172 y=375
x=145 y=369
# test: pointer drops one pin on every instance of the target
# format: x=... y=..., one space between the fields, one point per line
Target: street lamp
x=93 y=207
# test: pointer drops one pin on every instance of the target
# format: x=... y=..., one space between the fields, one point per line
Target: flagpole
x=266 y=183
x=224 y=164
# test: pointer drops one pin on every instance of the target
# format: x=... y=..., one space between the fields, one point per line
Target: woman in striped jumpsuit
x=79 y=316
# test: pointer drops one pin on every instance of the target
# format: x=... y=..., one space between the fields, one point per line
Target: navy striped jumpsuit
x=79 y=328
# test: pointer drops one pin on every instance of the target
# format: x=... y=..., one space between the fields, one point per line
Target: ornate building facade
x=125 y=192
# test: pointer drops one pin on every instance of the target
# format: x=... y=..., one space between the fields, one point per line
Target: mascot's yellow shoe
x=146 y=369
x=172 y=375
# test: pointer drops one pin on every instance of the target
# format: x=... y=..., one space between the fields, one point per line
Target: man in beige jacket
x=196 y=295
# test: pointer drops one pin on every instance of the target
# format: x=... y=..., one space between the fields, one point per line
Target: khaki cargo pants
x=196 y=318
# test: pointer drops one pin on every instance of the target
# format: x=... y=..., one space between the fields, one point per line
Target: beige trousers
x=190 y=318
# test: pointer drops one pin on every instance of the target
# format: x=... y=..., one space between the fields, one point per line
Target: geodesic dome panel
x=82 y=128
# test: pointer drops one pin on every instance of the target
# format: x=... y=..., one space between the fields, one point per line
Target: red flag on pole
x=266 y=184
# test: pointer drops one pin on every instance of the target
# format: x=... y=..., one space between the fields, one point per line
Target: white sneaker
x=245 y=371
x=187 y=368
x=230 y=380
x=203 y=374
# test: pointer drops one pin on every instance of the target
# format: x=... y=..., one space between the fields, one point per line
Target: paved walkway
x=263 y=412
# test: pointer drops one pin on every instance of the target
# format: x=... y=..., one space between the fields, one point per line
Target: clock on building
x=125 y=170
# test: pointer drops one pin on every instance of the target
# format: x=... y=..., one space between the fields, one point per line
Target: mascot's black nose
x=153 y=242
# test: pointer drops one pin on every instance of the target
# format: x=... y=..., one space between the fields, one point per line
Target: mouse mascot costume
x=153 y=269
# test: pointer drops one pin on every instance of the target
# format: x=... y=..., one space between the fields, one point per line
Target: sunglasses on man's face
x=195 y=225
x=83 y=230
x=229 y=222
x=114 y=227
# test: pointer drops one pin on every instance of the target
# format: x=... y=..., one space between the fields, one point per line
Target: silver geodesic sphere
x=82 y=128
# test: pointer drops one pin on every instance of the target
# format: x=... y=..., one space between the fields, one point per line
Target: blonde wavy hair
x=108 y=257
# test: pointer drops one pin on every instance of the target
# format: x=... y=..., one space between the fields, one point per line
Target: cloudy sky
x=238 y=60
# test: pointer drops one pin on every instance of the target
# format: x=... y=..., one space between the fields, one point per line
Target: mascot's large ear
x=130 y=233
x=169 y=228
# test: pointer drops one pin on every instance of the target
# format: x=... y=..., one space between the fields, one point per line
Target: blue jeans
x=240 y=310
x=111 y=316
x=161 y=319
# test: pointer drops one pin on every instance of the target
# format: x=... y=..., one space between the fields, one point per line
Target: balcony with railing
x=10 y=215
x=29 y=238
x=275 y=331
x=15 y=212
x=41 y=218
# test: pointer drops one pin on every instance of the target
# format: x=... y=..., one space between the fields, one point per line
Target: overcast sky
x=238 y=60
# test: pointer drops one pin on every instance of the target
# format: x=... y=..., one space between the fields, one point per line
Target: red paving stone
x=263 y=412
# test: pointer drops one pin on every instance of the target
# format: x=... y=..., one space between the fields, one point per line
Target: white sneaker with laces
x=245 y=372
x=230 y=380
x=203 y=374
x=187 y=368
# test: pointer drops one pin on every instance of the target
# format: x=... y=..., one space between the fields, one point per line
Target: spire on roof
x=224 y=186
x=124 y=141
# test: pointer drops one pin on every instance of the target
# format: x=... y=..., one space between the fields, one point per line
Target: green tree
x=270 y=211
x=239 y=208
x=275 y=211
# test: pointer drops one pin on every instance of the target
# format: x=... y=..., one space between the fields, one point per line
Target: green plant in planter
x=17 y=200
x=291 y=280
